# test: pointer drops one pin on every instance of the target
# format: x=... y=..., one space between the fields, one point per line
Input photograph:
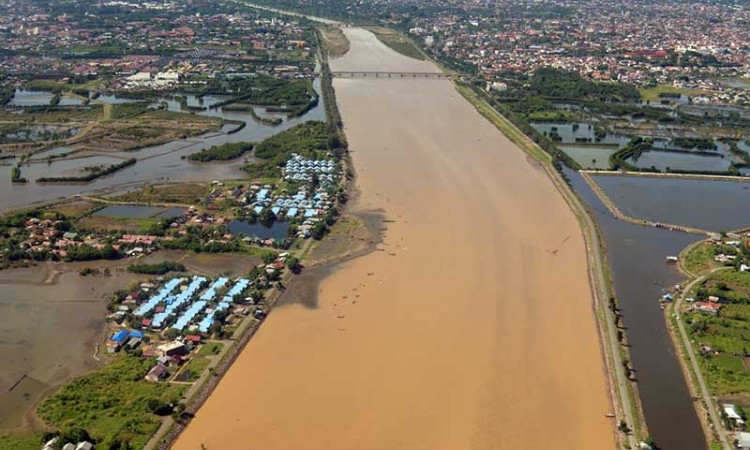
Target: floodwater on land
x=470 y=326
x=77 y=167
x=50 y=324
x=40 y=98
x=159 y=163
x=637 y=259
x=707 y=204
x=48 y=331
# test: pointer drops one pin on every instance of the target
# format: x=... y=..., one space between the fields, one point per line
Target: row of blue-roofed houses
x=186 y=305
x=180 y=309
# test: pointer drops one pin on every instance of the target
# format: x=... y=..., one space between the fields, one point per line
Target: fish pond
x=277 y=230
x=712 y=205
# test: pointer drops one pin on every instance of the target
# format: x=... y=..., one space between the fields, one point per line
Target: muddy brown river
x=471 y=327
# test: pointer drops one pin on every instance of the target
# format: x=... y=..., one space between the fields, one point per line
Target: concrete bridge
x=355 y=74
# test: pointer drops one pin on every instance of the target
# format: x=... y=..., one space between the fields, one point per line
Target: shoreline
x=309 y=280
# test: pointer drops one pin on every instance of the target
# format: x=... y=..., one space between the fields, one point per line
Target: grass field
x=397 y=42
x=553 y=115
x=184 y=193
x=700 y=258
x=111 y=403
x=722 y=340
x=21 y=441
x=652 y=94
x=194 y=368
x=73 y=209
x=210 y=349
x=59 y=86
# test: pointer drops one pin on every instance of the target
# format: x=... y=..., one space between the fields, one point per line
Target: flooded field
x=40 y=98
x=636 y=257
x=158 y=163
x=707 y=204
x=572 y=133
x=472 y=324
x=50 y=326
x=53 y=319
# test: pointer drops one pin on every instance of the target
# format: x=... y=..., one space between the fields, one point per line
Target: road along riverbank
x=470 y=326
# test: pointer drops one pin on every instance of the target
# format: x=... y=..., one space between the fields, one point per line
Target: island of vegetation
x=94 y=173
x=224 y=152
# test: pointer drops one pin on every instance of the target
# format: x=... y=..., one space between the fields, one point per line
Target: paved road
x=712 y=412
x=117 y=202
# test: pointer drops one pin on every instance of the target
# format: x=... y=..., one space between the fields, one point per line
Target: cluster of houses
x=167 y=354
x=170 y=354
x=188 y=306
x=301 y=169
x=45 y=235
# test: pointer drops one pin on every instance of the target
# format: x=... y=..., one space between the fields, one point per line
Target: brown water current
x=471 y=327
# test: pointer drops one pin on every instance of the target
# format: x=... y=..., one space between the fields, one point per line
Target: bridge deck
x=368 y=74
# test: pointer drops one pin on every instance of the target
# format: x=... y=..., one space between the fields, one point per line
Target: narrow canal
x=636 y=257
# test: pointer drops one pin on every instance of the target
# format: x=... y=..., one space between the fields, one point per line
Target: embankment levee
x=687 y=176
x=433 y=365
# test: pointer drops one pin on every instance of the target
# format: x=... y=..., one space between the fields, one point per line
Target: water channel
x=636 y=256
x=160 y=163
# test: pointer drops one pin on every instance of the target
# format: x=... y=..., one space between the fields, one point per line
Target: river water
x=158 y=163
x=471 y=328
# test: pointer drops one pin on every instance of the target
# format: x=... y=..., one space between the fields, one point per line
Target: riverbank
x=386 y=343
x=623 y=390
